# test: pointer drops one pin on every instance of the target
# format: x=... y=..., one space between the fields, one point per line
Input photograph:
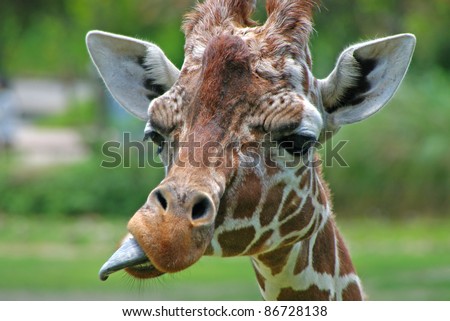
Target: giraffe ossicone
x=245 y=92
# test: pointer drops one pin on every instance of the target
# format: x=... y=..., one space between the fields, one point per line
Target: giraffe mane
x=226 y=68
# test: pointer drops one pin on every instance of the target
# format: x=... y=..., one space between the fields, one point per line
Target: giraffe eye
x=297 y=144
x=155 y=137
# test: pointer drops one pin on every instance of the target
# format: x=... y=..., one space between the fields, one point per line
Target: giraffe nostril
x=197 y=207
x=201 y=208
x=161 y=199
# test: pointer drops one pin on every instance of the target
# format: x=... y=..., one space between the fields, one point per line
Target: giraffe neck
x=318 y=268
x=296 y=250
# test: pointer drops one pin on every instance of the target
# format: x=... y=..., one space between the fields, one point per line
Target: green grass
x=59 y=260
x=402 y=260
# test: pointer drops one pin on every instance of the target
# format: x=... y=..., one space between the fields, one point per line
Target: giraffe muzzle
x=167 y=235
x=130 y=254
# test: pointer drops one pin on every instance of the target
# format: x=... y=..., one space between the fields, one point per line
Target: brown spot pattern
x=291 y=204
x=261 y=280
x=299 y=221
x=306 y=178
x=352 y=293
x=249 y=196
x=270 y=207
x=290 y=240
x=324 y=257
x=324 y=191
x=236 y=241
x=276 y=260
x=303 y=258
x=258 y=245
x=345 y=263
x=300 y=171
x=313 y=293
x=225 y=203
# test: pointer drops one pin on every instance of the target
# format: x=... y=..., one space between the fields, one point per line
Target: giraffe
x=236 y=129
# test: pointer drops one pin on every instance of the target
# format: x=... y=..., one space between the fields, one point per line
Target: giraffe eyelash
x=297 y=144
x=156 y=138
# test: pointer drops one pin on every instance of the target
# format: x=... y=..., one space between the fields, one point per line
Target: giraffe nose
x=197 y=206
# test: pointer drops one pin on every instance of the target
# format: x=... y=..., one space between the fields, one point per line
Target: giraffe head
x=235 y=126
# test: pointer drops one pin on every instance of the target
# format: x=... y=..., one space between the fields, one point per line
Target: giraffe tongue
x=129 y=254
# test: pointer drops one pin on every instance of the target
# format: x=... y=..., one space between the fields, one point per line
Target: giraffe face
x=228 y=136
x=235 y=128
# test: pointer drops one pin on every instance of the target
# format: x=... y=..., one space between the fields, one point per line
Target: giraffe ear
x=365 y=78
x=134 y=71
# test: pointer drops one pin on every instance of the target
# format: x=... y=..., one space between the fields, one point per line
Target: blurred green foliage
x=399 y=159
x=47 y=37
x=78 y=115
x=343 y=22
x=85 y=188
